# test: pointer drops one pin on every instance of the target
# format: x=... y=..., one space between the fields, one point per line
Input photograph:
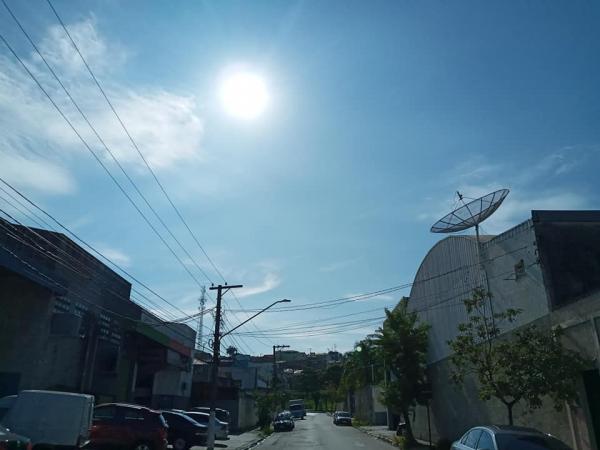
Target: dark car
x=184 y=432
x=505 y=437
x=284 y=421
x=342 y=418
x=120 y=425
x=11 y=441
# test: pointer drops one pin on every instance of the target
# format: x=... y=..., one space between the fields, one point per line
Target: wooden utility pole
x=275 y=348
x=221 y=289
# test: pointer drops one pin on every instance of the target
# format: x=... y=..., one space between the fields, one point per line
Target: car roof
x=511 y=429
x=128 y=405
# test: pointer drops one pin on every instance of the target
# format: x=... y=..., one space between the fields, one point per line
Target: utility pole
x=221 y=289
x=276 y=347
x=199 y=333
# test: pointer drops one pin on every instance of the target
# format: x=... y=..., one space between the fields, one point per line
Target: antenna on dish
x=470 y=214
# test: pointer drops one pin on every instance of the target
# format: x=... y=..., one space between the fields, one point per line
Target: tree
x=402 y=343
x=231 y=351
x=526 y=367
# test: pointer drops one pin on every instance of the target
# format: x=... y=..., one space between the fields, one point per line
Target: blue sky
x=379 y=112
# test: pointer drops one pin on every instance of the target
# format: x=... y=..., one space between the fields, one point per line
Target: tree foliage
x=402 y=344
x=526 y=367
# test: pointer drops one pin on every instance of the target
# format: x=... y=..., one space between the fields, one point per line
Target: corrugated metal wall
x=451 y=271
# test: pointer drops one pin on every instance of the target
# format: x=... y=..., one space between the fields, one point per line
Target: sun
x=244 y=95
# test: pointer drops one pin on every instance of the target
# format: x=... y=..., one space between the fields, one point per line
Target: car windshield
x=515 y=442
x=343 y=414
x=283 y=416
x=296 y=407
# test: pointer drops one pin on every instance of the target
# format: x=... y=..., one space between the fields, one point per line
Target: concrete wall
x=41 y=360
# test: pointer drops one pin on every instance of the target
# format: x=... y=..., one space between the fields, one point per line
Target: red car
x=131 y=427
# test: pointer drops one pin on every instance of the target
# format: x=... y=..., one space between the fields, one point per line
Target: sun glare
x=244 y=95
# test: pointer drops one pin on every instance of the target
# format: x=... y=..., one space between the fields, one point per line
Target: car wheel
x=180 y=444
x=142 y=446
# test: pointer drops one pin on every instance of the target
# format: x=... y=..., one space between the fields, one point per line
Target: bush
x=400 y=442
x=443 y=444
x=266 y=430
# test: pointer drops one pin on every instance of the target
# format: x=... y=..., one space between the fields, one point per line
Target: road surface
x=317 y=431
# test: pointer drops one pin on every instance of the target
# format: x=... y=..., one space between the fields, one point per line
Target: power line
x=87 y=245
x=96 y=157
x=139 y=152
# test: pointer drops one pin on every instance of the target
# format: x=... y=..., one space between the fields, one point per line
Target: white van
x=51 y=418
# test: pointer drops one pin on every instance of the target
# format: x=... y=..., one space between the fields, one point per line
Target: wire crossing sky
x=302 y=149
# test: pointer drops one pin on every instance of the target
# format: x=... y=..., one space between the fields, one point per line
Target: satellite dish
x=470 y=214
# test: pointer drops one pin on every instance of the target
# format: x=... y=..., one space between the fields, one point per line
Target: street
x=317 y=431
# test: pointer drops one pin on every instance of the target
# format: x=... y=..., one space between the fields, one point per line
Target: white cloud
x=165 y=125
x=35 y=173
x=114 y=254
x=270 y=282
x=99 y=54
x=528 y=184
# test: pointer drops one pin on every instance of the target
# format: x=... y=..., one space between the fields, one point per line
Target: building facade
x=67 y=323
x=548 y=267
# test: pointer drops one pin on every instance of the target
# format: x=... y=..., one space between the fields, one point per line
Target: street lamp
x=285 y=300
x=210 y=439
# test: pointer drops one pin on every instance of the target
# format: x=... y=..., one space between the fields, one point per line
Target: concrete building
x=548 y=266
x=67 y=323
x=236 y=392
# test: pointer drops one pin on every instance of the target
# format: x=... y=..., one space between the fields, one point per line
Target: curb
x=376 y=436
x=251 y=444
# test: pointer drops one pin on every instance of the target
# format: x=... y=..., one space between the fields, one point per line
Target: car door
x=104 y=425
x=486 y=441
x=469 y=440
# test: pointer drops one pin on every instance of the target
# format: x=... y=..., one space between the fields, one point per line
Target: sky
x=377 y=113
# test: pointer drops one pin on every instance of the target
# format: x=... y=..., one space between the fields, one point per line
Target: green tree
x=526 y=367
x=402 y=344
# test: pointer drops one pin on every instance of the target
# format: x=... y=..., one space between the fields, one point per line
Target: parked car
x=6 y=403
x=284 y=421
x=505 y=437
x=342 y=418
x=221 y=429
x=12 y=441
x=49 y=418
x=184 y=432
x=221 y=414
x=128 y=426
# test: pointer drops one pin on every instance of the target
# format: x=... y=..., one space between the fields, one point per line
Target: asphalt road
x=317 y=431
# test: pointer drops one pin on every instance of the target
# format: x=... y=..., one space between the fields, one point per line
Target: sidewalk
x=382 y=432
x=241 y=441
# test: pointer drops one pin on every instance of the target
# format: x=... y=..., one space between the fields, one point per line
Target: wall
x=49 y=361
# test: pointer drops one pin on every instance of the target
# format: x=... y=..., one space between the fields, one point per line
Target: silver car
x=505 y=437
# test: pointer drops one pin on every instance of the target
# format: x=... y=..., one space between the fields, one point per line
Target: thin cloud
x=270 y=282
x=114 y=254
x=155 y=117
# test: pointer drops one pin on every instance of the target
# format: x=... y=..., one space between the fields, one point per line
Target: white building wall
x=526 y=291
x=451 y=271
x=447 y=275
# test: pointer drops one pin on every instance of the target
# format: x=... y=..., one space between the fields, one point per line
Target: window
x=133 y=414
x=485 y=441
x=471 y=438
x=105 y=413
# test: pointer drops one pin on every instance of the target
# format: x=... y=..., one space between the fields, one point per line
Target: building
x=237 y=385
x=548 y=266
x=68 y=323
